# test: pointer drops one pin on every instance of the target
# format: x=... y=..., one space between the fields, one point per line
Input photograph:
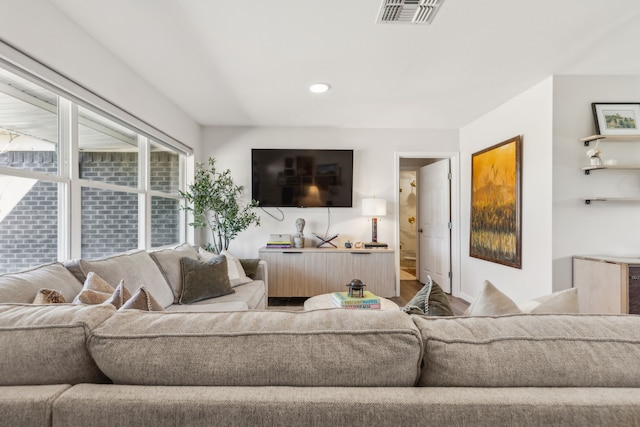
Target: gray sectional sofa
x=75 y=365
x=159 y=271
x=93 y=365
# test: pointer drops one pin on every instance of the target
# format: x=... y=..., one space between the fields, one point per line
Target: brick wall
x=28 y=234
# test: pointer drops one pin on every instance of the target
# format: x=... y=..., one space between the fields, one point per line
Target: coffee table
x=325 y=301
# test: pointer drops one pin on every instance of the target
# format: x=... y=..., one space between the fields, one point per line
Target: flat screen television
x=302 y=178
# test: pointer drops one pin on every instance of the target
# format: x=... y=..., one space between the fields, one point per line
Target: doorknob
x=419 y=230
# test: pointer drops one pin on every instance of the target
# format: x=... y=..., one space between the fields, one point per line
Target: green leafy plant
x=213 y=200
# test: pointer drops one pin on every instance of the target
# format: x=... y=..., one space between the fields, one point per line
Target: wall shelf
x=588 y=201
x=610 y=138
x=590 y=168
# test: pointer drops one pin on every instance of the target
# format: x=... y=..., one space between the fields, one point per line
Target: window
x=125 y=189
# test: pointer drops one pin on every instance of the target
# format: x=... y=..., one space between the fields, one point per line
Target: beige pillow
x=561 y=302
x=492 y=302
x=237 y=275
x=119 y=296
x=142 y=300
x=49 y=296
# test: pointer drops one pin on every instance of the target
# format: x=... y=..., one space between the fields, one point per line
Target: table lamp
x=374 y=208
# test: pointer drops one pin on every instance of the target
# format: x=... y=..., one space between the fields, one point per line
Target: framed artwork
x=496 y=203
x=616 y=118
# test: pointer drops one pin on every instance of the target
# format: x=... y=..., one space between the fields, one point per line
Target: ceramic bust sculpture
x=298 y=240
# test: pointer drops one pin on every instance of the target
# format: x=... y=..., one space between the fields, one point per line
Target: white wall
x=374 y=171
x=602 y=228
x=529 y=115
x=40 y=30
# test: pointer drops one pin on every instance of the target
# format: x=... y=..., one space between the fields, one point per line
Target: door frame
x=454 y=159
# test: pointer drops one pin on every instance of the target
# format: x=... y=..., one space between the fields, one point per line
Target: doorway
x=408 y=212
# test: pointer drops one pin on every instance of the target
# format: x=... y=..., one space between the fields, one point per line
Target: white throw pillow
x=237 y=276
x=492 y=302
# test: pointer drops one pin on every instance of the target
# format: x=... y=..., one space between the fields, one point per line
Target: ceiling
x=249 y=63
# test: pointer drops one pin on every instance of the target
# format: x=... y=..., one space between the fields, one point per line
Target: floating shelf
x=587 y=201
x=590 y=168
x=610 y=138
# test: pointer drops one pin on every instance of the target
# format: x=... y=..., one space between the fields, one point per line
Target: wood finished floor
x=408 y=288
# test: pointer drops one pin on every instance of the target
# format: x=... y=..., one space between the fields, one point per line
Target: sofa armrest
x=262 y=274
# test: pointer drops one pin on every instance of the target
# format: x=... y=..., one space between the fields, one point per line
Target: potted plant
x=213 y=200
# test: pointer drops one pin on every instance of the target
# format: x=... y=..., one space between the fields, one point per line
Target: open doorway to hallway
x=422 y=251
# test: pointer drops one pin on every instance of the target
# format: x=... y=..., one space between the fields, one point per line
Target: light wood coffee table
x=325 y=301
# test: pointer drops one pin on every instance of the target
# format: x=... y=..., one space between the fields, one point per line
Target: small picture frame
x=616 y=118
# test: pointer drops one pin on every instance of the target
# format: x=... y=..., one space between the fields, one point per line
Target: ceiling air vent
x=407 y=11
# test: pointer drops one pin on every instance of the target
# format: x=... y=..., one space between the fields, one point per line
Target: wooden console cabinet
x=307 y=272
x=607 y=284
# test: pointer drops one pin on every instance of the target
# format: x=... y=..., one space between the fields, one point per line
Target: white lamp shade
x=374 y=207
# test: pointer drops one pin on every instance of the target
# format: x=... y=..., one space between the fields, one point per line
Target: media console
x=307 y=272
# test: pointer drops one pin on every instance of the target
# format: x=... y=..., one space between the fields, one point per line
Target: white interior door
x=434 y=233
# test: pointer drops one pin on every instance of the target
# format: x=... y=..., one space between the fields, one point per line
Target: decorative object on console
x=213 y=200
x=279 y=241
x=496 y=203
x=616 y=118
x=325 y=240
x=374 y=208
x=298 y=239
x=356 y=288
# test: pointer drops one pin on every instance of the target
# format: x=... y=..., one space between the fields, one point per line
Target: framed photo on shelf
x=496 y=203
x=616 y=118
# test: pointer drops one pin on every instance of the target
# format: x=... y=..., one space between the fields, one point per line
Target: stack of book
x=343 y=300
x=278 y=244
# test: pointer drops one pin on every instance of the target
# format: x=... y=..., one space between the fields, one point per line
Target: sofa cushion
x=47 y=344
x=203 y=280
x=23 y=287
x=136 y=268
x=29 y=405
x=260 y=348
x=168 y=260
x=524 y=350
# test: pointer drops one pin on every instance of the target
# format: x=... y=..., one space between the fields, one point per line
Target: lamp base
x=375 y=245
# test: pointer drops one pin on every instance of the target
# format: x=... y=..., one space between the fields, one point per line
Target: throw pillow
x=119 y=296
x=142 y=300
x=237 y=275
x=91 y=297
x=491 y=302
x=556 y=303
x=419 y=304
x=438 y=302
x=95 y=290
x=203 y=280
x=250 y=266
x=48 y=296
x=431 y=300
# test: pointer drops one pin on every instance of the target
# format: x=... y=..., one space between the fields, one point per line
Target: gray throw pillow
x=431 y=300
x=203 y=280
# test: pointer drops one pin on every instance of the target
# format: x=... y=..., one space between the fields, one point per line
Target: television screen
x=302 y=178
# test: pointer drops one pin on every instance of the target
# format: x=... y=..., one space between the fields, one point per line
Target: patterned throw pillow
x=49 y=296
x=431 y=300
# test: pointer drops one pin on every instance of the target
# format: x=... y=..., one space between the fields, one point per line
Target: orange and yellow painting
x=496 y=203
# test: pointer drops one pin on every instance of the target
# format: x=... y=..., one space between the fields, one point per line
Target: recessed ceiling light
x=319 y=87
